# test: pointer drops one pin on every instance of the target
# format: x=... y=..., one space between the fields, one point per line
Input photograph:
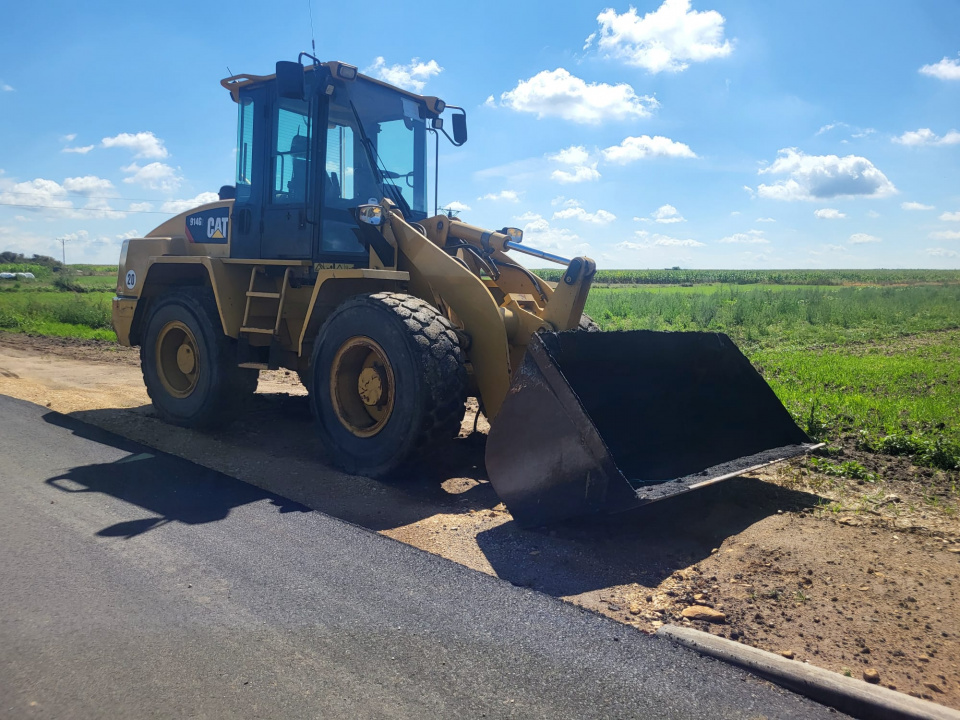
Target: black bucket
x=603 y=422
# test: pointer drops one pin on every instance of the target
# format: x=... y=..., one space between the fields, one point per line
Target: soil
x=844 y=574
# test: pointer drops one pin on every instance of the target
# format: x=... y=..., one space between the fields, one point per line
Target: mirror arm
x=443 y=130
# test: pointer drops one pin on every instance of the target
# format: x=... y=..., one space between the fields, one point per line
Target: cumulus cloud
x=412 y=76
x=650 y=240
x=140 y=207
x=751 y=237
x=178 y=206
x=581 y=173
x=818 y=177
x=915 y=206
x=89 y=185
x=946 y=69
x=504 y=195
x=667 y=214
x=573 y=155
x=926 y=136
x=942 y=252
x=667 y=39
x=4 y=87
x=557 y=93
x=945 y=235
x=765 y=219
x=863 y=238
x=600 y=217
x=950 y=216
x=542 y=234
x=456 y=206
x=83 y=150
x=644 y=146
x=142 y=144
x=155 y=175
x=829 y=214
x=45 y=195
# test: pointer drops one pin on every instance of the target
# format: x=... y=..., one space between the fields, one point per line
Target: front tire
x=189 y=366
x=388 y=382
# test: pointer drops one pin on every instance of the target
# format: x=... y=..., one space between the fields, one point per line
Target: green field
x=871 y=356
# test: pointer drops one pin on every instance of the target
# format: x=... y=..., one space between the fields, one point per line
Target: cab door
x=289 y=212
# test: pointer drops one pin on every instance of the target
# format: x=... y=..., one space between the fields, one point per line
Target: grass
x=60 y=314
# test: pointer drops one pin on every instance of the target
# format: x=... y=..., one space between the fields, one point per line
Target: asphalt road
x=136 y=584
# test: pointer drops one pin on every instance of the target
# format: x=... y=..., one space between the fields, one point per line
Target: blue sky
x=706 y=134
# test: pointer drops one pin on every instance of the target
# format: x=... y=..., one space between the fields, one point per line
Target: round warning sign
x=131 y=279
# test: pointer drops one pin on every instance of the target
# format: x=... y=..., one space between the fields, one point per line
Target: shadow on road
x=174 y=489
x=643 y=546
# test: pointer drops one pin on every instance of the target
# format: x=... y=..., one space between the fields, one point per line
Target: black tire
x=428 y=380
x=218 y=386
x=588 y=324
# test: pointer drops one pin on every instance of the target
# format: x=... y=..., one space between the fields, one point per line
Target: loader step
x=257 y=294
x=254 y=365
x=261 y=331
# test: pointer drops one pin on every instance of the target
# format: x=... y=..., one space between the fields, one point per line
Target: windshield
x=392 y=138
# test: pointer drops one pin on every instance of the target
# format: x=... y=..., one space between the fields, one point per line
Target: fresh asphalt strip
x=134 y=583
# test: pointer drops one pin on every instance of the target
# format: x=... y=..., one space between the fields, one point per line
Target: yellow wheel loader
x=323 y=259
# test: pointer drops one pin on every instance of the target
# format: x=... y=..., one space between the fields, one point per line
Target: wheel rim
x=178 y=361
x=362 y=386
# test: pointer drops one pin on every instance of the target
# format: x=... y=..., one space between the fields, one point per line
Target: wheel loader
x=324 y=259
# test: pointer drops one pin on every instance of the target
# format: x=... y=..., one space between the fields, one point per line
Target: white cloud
x=751 y=237
x=140 y=207
x=589 y=41
x=945 y=235
x=600 y=217
x=528 y=217
x=5 y=88
x=873 y=214
x=543 y=235
x=412 y=76
x=948 y=216
x=667 y=214
x=36 y=194
x=566 y=202
x=505 y=195
x=557 y=93
x=68 y=138
x=644 y=146
x=573 y=155
x=915 y=206
x=89 y=185
x=829 y=214
x=765 y=219
x=142 y=144
x=818 y=177
x=489 y=102
x=656 y=240
x=129 y=234
x=863 y=238
x=79 y=150
x=943 y=252
x=667 y=39
x=156 y=176
x=926 y=136
x=946 y=69
x=178 y=206
x=456 y=206
x=581 y=173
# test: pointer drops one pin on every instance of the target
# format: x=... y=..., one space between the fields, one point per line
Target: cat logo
x=217 y=227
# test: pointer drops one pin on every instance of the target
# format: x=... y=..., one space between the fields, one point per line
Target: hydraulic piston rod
x=510 y=245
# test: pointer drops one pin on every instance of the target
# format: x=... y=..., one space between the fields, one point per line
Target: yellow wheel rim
x=362 y=386
x=178 y=362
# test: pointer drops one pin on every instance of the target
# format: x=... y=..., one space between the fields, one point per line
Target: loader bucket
x=604 y=422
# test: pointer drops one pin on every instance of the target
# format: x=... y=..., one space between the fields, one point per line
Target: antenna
x=313 y=41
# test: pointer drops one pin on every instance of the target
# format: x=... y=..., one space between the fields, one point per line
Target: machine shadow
x=272 y=445
x=643 y=546
x=175 y=490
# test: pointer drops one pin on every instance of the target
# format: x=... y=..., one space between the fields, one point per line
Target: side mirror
x=459 y=128
x=290 y=80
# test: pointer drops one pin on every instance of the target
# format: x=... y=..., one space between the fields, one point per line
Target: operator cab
x=315 y=143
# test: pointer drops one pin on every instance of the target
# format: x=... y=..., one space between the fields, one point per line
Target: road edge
x=853 y=697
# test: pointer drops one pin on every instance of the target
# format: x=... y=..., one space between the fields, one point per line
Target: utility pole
x=63 y=246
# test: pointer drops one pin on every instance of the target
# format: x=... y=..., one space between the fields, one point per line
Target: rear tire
x=189 y=366
x=388 y=382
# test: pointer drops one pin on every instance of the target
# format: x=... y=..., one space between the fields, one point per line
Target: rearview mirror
x=290 y=80
x=459 y=128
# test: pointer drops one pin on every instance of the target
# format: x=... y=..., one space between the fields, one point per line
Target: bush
x=937 y=452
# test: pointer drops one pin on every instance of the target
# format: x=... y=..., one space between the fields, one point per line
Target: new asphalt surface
x=136 y=584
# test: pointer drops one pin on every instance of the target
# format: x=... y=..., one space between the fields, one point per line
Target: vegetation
x=679 y=276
